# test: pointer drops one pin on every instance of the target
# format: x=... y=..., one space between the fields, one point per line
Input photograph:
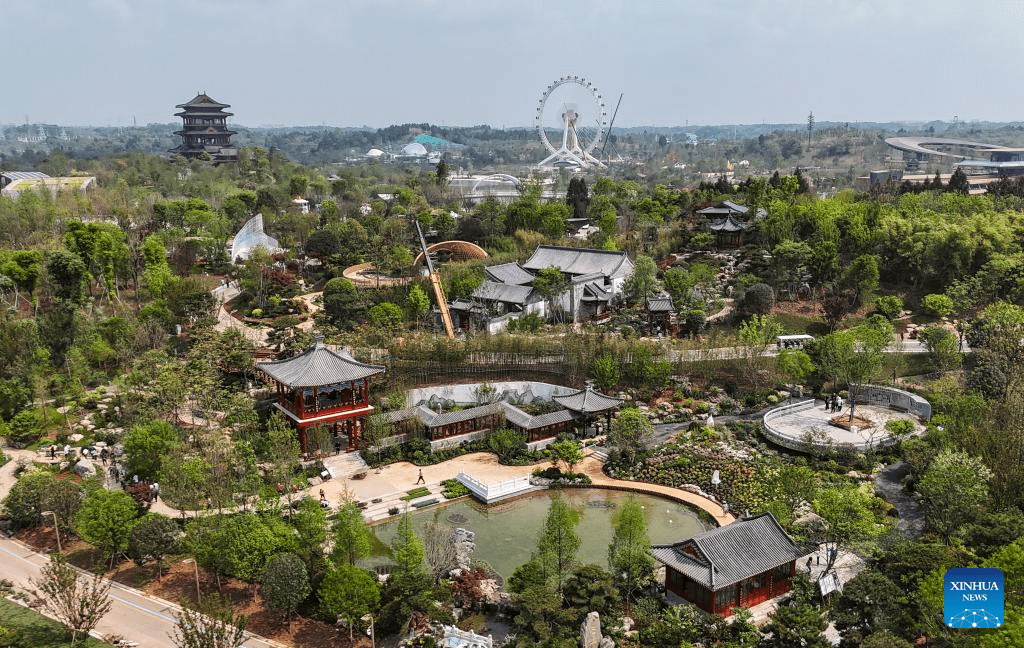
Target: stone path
x=889 y=484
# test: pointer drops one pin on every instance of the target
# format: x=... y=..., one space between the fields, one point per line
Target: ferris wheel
x=573 y=106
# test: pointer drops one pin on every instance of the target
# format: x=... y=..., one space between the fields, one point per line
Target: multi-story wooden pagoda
x=321 y=387
x=205 y=130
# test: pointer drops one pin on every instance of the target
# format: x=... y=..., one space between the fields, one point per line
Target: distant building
x=730 y=222
x=205 y=130
x=741 y=564
x=14 y=183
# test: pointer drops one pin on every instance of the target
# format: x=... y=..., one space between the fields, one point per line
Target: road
x=134 y=615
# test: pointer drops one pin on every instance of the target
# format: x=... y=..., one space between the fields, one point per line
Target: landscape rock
x=590 y=631
x=85 y=468
x=75 y=438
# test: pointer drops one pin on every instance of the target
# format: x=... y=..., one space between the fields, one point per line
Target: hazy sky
x=467 y=62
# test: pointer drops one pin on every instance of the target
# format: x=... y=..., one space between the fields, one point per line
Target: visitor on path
x=839 y=403
x=421 y=480
x=322 y=495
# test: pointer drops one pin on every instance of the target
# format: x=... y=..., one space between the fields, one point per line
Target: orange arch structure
x=457 y=251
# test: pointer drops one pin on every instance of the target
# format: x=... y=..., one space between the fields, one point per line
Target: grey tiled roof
x=729 y=224
x=521 y=419
x=660 y=304
x=318 y=365
x=745 y=548
x=509 y=273
x=505 y=293
x=587 y=401
x=577 y=261
x=461 y=415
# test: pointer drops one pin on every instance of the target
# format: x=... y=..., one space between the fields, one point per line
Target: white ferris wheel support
x=573 y=150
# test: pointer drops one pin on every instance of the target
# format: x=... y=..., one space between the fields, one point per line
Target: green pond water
x=506 y=532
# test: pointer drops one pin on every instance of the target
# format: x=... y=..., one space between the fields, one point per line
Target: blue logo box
x=973 y=598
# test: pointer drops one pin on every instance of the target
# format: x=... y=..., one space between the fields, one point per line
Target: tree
x=348 y=593
x=937 y=305
x=577 y=197
x=796 y=626
x=24 y=502
x=386 y=315
x=352 y=538
x=958 y=182
x=954 y=491
x=862 y=277
x=794 y=364
x=942 y=346
x=153 y=537
x=285 y=583
x=559 y=542
x=417 y=304
x=439 y=545
x=889 y=306
x=506 y=443
x=590 y=588
x=631 y=432
x=756 y=335
x=848 y=518
x=310 y=524
x=869 y=603
x=549 y=284
x=210 y=625
x=342 y=301
x=105 y=521
x=643 y=281
x=855 y=356
x=567 y=451
x=605 y=370
x=834 y=310
x=146 y=445
x=407 y=548
x=75 y=601
x=67 y=274
x=629 y=554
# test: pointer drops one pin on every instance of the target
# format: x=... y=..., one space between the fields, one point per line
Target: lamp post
x=56 y=529
x=196 y=565
x=373 y=635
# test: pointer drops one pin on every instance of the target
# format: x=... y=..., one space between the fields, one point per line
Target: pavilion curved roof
x=587 y=401
x=316 y=366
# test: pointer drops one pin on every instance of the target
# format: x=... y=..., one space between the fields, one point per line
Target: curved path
x=593 y=468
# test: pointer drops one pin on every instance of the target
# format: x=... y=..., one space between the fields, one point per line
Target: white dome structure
x=374 y=153
x=251 y=236
x=414 y=149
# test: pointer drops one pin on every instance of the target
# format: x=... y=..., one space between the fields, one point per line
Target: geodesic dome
x=250 y=236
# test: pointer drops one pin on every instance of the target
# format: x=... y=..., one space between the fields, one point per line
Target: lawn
x=36 y=631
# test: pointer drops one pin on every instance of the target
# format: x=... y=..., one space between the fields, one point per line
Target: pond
x=506 y=532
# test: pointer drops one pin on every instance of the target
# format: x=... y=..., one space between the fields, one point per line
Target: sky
x=470 y=62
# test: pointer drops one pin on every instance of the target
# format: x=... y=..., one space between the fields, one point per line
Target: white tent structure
x=250 y=236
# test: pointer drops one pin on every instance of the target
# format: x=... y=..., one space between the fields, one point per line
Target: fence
x=491 y=492
x=896 y=399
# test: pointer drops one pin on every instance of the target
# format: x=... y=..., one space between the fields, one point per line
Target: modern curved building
x=975 y=158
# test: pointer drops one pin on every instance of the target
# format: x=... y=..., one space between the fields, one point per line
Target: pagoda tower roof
x=318 y=366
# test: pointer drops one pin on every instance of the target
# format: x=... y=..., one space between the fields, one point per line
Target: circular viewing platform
x=809 y=424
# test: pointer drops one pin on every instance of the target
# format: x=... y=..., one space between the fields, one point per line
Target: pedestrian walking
x=322 y=495
x=421 y=480
x=156 y=491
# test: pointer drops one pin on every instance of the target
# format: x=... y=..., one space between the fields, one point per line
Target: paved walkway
x=390 y=483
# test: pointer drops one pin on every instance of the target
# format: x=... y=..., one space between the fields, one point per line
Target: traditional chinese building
x=588 y=405
x=321 y=387
x=741 y=564
x=205 y=130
